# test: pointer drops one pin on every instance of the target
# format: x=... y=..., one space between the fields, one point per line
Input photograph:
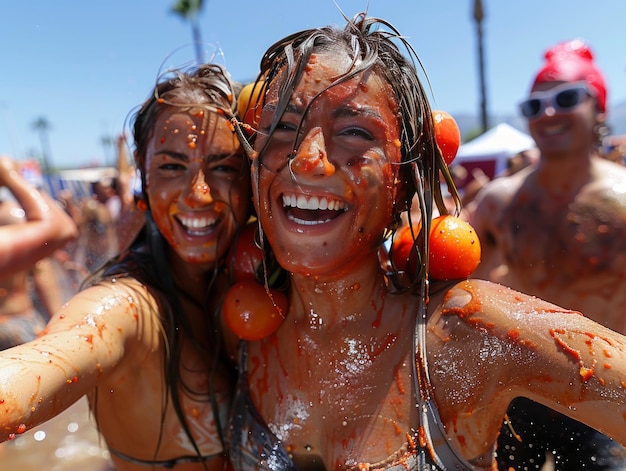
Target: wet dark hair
x=373 y=44
x=207 y=87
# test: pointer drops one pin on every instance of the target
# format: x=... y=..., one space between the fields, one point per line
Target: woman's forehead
x=322 y=70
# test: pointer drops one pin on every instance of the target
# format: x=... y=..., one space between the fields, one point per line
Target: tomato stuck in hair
x=447 y=135
x=245 y=255
x=454 y=248
x=403 y=256
x=251 y=312
x=249 y=104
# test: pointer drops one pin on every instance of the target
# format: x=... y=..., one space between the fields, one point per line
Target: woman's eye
x=357 y=132
x=285 y=126
x=224 y=168
x=172 y=167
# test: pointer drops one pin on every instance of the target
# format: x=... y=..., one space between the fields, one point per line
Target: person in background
x=556 y=230
x=521 y=160
x=375 y=369
x=32 y=227
x=141 y=339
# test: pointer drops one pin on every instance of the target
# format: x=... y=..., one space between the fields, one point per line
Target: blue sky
x=86 y=66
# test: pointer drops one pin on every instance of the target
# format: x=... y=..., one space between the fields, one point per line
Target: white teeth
x=312 y=202
x=305 y=222
x=302 y=204
x=196 y=223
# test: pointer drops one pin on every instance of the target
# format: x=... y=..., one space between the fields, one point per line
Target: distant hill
x=470 y=125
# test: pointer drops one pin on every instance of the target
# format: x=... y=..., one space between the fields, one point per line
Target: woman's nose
x=199 y=191
x=311 y=158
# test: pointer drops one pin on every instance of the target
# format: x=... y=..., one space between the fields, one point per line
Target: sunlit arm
x=81 y=345
x=489 y=344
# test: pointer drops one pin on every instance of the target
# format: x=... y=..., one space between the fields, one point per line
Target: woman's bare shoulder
x=123 y=306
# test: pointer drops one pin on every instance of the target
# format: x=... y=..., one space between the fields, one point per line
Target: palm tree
x=107 y=143
x=42 y=126
x=189 y=10
x=479 y=15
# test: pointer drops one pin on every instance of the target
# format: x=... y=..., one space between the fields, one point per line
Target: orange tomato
x=447 y=135
x=454 y=249
x=245 y=256
x=252 y=313
x=249 y=104
x=403 y=255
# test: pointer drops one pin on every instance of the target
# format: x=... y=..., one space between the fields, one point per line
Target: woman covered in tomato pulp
x=373 y=369
x=142 y=341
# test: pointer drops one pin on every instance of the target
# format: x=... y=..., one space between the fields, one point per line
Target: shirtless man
x=556 y=229
x=32 y=227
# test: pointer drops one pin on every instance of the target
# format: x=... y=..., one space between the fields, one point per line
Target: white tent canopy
x=498 y=143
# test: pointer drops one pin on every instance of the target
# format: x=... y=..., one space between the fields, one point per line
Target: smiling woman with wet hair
x=142 y=340
x=374 y=368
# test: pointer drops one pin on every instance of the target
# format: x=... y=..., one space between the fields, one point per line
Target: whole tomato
x=454 y=249
x=447 y=135
x=251 y=312
x=249 y=104
x=403 y=256
x=245 y=256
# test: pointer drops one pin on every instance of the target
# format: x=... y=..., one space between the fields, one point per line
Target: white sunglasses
x=563 y=99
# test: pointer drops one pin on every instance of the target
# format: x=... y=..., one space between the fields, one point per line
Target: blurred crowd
x=78 y=235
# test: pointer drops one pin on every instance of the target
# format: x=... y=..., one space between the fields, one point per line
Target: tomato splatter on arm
x=489 y=352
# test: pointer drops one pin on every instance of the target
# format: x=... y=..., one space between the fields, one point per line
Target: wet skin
x=335 y=383
x=559 y=226
x=196 y=178
x=108 y=340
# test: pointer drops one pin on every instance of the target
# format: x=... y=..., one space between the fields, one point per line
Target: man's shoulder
x=501 y=188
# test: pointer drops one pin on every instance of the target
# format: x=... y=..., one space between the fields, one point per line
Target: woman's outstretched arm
x=489 y=344
x=85 y=340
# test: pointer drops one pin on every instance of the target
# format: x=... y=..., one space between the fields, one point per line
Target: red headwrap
x=572 y=61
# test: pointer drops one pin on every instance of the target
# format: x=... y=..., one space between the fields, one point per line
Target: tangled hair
x=373 y=44
x=209 y=88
